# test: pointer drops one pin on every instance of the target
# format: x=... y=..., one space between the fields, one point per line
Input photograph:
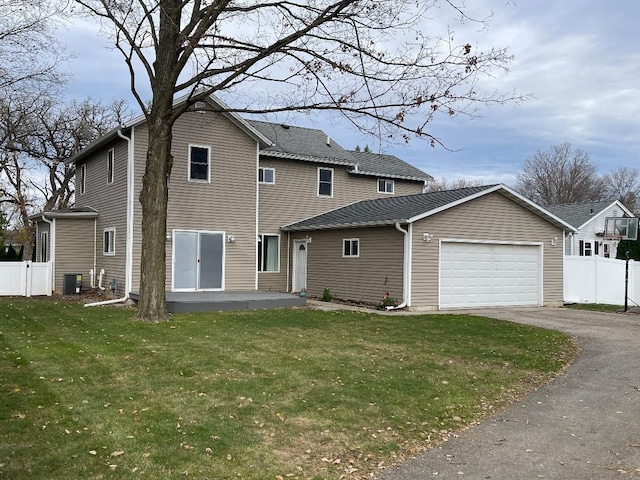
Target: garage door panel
x=485 y=274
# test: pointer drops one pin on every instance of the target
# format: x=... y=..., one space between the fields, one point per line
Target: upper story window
x=351 y=247
x=199 y=163
x=82 y=178
x=109 y=244
x=110 y=160
x=325 y=182
x=385 y=186
x=267 y=175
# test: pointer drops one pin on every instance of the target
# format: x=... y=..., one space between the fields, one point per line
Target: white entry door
x=299 y=265
x=490 y=274
x=198 y=260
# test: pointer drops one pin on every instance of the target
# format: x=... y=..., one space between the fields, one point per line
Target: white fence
x=25 y=278
x=600 y=280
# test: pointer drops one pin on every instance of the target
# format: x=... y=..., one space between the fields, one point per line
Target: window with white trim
x=351 y=247
x=82 y=178
x=267 y=176
x=109 y=241
x=199 y=163
x=110 y=160
x=268 y=253
x=325 y=182
x=385 y=186
x=586 y=248
x=44 y=246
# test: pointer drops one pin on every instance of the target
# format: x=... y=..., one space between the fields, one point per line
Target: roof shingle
x=385 y=211
x=577 y=214
x=313 y=145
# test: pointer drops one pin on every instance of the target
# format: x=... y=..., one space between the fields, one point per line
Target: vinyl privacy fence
x=600 y=280
x=25 y=278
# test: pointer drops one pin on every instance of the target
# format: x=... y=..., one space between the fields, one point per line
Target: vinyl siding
x=491 y=217
x=226 y=204
x=74 y=250
x=110 y=201
x=377 y=270
x=294 y=197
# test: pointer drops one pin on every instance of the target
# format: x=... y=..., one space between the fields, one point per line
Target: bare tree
x=444 y=184
x=61 y=132
x=29 y=51
x=624 y=184
x=369 y=60
x=39 y=133
x=560 y=175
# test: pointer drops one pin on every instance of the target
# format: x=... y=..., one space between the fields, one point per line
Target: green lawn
x=596 y=307
x=92 y=394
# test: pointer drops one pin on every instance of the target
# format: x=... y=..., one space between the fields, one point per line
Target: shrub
x=387 y=301
x=326 y=295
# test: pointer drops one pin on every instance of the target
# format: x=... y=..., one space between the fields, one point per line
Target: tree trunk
x=154 y=196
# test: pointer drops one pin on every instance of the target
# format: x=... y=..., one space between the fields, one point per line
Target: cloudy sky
x=579 y=60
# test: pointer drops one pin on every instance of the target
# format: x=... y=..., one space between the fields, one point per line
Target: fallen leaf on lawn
x=117 y=453
x=229 y=457
x=93 y=452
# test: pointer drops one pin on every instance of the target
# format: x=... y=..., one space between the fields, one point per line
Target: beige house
x=233 y=185
x=471 y=247
x=263 y=206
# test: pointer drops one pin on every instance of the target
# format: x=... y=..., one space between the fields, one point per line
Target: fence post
x=27 y=278
x=595 y=263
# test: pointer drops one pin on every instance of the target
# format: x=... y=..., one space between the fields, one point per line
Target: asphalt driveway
x=583 y=425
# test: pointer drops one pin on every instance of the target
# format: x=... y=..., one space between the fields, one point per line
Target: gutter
x=406 y=268
x=129 y=245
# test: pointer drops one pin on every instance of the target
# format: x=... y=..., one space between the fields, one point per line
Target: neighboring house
x=471 y=247
x=589 y=221
x=234 y=184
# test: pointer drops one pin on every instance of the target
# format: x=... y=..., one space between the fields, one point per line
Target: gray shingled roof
x=309 y=144
x=301 y=143
x=577 y=214
x=385 y=211
x=375 y=163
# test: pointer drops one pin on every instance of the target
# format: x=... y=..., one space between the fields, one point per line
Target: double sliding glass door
x=198 y=260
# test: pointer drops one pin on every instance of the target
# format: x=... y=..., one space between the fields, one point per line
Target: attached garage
x=471 y=247
x=474 y=274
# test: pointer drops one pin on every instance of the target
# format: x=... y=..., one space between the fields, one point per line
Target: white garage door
x=486 y=274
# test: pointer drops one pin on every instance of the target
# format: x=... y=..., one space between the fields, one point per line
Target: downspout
x=406 y=268
x=95 y=249
x=52 y=248
x=257 y=282
x=129 y=241
x=288 y=259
